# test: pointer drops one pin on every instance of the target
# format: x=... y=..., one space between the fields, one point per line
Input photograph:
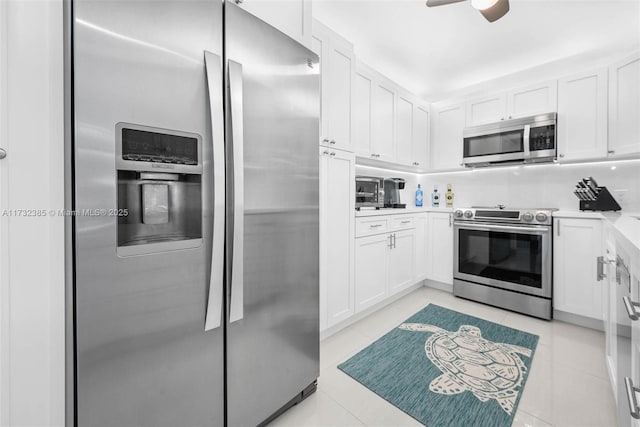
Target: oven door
x=512 y=257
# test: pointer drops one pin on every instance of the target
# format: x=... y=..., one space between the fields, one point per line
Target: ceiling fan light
x=483 y=4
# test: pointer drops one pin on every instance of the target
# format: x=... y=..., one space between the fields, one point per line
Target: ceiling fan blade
x=432 y=3
x=496 y=11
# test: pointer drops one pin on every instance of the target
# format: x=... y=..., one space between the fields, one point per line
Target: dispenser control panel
x=145 y=146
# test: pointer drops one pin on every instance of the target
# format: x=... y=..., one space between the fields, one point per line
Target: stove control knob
x=541 y=217
x=468 y=214
x=528 y=216
x=458 y=213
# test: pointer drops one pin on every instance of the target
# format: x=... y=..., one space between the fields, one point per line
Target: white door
x=635 y=338
x=624 y=107
x=336 y=236
x=340 y=82
x=446 y=146
x=420 y=262
x=362 y=113
x=337 y=65
x=486 y=110
x=440 y=245
x=582 y=116
x=404 y=131
x=420 y=147
x=401 y=260
x=384 y=100
x=577 y=244
x=535 y=99
x=371 y=269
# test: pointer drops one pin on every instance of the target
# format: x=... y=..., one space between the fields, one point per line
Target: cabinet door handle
x=561 y=155
x=631 y=398
x=390 y=246
x=631 y=306
x=325 y=140
x=406 y=222
x=558 y=228
x=3 y=153
x=611 y=151
x=325 y=152
x=332 y=142
x=375 y=225
x=394 y=240
x=450 y=220
x=333 y=153
x=600 y=269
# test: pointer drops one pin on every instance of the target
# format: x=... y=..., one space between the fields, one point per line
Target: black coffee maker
x=392 y=187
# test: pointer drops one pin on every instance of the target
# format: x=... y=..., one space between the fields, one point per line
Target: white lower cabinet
x=371 y=269
x=440 y=247
x=337 y=204
x=577 y=244
x=401 y=260
x=421 y=260
x=384 y=261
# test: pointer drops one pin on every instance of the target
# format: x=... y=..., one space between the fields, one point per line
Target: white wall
x=32 y=248
x=531 y=186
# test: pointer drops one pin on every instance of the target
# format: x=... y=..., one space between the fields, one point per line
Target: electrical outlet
x=619 y=195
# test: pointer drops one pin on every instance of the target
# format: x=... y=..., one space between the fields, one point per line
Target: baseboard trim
x=576 y=319
x=446 y=287
x=359 y=316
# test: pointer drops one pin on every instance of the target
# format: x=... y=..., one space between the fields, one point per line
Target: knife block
x=603 y=202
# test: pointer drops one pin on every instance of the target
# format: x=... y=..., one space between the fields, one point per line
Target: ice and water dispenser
x=160 y=187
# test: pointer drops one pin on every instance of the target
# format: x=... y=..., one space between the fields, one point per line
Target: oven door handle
x=515 y=228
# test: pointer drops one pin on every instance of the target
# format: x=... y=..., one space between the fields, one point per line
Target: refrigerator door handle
x=213 y=65
x=236 y=304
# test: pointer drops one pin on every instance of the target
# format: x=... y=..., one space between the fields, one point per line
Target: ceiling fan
x=490 y=9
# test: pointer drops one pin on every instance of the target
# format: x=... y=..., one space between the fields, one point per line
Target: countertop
x=625 y=224
x=399 y=211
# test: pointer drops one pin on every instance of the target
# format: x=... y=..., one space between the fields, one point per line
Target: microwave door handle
x=213 y=66
x=526 y=138
x=236 y=117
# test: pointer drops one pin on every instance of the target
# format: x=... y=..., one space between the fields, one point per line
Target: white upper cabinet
x=292 y=17
x=582 y=116
x=404 y=130
x=384 y=107
x=624 y=107
x=522 y=102
x=446 y=143
x=420 y=146
x=337 y=65
x=486 y=109
x=362 y=111
x=532 y=100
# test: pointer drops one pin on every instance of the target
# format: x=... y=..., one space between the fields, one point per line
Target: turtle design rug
x=446 y=368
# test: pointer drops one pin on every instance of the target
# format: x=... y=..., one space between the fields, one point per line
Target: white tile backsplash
x=536 y=186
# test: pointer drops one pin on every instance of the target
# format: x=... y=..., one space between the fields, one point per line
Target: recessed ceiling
x=438 y=50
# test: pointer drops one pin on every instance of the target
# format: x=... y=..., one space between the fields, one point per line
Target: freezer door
x=142 y=355
x=273 y=104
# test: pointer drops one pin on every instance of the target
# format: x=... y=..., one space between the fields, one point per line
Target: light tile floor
x=567 y=385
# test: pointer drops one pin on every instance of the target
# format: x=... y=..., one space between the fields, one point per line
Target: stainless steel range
x=503 y=257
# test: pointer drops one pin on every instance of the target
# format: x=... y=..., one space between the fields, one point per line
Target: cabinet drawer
x=370 y=226
x=402 y=223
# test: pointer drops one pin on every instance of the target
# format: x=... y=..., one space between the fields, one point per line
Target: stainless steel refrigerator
x=194 y=294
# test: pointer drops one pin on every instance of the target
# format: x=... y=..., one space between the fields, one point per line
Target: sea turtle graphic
x=469 y=362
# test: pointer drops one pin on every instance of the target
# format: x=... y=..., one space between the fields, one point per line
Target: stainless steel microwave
x=369 y=192
x=524 y=140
